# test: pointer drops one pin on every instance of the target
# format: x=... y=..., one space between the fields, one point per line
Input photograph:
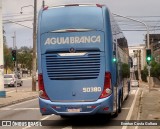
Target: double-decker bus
x=81 y=52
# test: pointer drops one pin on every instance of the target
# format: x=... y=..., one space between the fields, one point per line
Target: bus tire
x=64 y=117
x=116 y=112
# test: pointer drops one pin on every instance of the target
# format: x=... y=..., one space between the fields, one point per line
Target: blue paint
x=66 y=77
x=2 y=94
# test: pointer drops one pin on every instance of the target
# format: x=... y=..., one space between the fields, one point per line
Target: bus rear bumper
x=101 y=106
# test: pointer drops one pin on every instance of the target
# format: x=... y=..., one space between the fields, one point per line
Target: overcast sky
x=146 y=10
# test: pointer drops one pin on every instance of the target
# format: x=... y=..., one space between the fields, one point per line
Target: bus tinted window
x=75 y=18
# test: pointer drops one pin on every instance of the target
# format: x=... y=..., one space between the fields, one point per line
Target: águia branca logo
x=73 y=40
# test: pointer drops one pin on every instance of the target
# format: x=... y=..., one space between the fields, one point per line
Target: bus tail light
x=45 y=8
x=98 y=5
x=106 y=109
x=42 y=92
x=107 y=86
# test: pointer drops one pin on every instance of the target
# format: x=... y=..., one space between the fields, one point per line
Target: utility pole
x=148 y=42
x=2 y=90
x=15 y=62
x=138 y=64
x=43 y=4
x=34 y=48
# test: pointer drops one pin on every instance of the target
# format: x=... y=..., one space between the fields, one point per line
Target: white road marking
x=18 y=109
x=46 y=117
x=68 y=127
x=5 y=109
x=133 y=92
x=131 y=109
x=127 y=108
x=136 y=127
x=26 y=109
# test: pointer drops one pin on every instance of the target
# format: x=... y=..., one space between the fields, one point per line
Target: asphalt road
x=29 y=110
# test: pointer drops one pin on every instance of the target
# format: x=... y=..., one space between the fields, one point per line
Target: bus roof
x=71 y=17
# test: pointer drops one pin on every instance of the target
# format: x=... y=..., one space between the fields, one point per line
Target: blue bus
x=81 y=53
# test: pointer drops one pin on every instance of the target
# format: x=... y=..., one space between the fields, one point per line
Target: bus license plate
x=73 y=109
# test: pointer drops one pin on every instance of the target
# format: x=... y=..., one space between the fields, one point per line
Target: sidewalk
x=149 y=105
x=21 y=95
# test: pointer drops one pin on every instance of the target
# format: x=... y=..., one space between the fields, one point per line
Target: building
x=138 y=54
x=155 y=46
x=138 y=51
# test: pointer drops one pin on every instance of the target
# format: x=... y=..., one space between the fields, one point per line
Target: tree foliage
x=24 y=56
x=144 y=74
x=125 y=70
x=7 y=55
x=155 y=69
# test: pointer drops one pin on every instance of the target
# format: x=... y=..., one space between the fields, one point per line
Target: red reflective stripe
x=45 y=8
x=107 y=85
x=98 y=5
x=41 y=87
x=107 y=80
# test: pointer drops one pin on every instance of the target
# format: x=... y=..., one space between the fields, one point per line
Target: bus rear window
x=72 y=17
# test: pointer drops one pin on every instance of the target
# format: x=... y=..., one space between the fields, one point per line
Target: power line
x=4 y=16
x=138 y=30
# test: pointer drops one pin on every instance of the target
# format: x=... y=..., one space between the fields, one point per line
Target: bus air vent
x=73 y=67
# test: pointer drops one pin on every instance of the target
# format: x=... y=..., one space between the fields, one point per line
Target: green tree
x=144 y=74
x=125 y=70
x=24 y=58
x=29 y=61
x=7 y=55
x=155 y=69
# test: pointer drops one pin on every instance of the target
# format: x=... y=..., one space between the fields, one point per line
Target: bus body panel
x=101 y=106
x=73 y=78
x=78 y=79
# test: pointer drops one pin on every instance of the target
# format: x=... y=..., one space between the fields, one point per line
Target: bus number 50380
x=92 y=89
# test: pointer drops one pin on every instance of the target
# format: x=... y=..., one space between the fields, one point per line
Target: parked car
x=11 y=79
x=134 y=83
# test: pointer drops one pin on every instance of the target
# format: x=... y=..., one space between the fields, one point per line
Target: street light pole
x=25 y=7
x=2 y=90
x=34 y=48
x=148 y=41
x=15 y=62
x=148 y=44
x=34 y=44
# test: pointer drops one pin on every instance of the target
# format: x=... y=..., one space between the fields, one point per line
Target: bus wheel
x=64 y=117
x=116 y=112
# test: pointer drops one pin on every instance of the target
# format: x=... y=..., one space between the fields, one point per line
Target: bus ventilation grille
x=73 y=67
